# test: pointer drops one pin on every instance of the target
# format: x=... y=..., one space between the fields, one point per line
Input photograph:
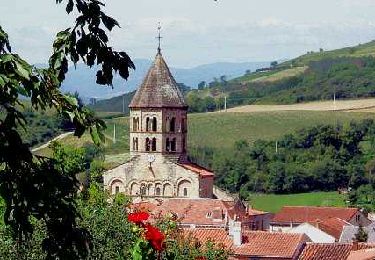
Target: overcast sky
x=202 y=31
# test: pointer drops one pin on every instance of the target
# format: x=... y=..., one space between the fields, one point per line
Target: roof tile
x=325 y=251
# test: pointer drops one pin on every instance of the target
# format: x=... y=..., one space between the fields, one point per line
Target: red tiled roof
x=159 y=88
x=360 y=246
x=332 y=226
x=202 y=211
x=363 y=254
x=203 y=235
x=272 y=245
x=197 y=169
x=255 y=243
x=328 y=251
x=295 y=214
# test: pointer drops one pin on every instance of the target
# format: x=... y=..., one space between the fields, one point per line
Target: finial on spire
x=159 y=38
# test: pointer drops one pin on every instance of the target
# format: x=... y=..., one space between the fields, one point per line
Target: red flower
x=138 y=217
x=155 y=237
x=200 y=258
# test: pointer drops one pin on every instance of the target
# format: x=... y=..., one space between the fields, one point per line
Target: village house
x=292 y=216
x=246 y=244
x=207 y=213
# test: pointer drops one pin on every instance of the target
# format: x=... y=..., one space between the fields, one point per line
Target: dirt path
x=63 y=135
x=359 y=105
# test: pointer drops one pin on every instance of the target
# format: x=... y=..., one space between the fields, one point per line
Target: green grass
x=222 y=130
x=274 y=202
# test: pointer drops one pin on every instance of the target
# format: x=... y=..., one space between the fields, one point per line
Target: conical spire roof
x=159 y=88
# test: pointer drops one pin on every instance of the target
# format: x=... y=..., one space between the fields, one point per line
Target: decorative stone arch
x=167 y=189
x=184 y=188
x=134 y=188
x=150 y=189
x=117 y=186
x=158 y=189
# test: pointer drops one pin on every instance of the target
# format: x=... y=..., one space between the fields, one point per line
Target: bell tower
x=158 y=114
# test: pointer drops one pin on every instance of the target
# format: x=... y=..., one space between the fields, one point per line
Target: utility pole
x=276 y=146
x=123 y=104
x=114 y=133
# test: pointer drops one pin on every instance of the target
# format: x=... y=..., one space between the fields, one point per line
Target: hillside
x=347 y=73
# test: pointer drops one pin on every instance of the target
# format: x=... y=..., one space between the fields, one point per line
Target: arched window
x=168 y=124
x=154 y=124
x=143 y=190
x=153 y=146
x=167 y=145
x=136 y=144
x=135 y=123
x=147 y=124
x=185 y=192
x=133 y=144
x=157 y=191
x=172 y=126
x=173 y=145
x=147 y=144
x=117 y=189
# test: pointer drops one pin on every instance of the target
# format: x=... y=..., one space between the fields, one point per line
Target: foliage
x=31 y=186
x=361 y=236
x=323 y=158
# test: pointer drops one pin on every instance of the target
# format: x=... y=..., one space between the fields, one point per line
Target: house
x=246 y=244
x=315 y=234
x=349 y=233
x=207 y=213
x=325 y=251
x=292 y=216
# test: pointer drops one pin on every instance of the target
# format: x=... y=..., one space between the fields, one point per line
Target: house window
x=172 y=126
x=148 y=122
x=185 y=192
x=173 y=145
x=135 y=123
x=168 y=145
x=154 y=124
x=147 y=144
x=157 y=191
x=117 y=189
x=136 y=143
x=153 y=146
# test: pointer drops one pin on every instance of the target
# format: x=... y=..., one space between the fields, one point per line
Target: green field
x=222 y=130
x=273 y=203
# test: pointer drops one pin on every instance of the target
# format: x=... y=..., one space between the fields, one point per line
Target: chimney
x=237 y=233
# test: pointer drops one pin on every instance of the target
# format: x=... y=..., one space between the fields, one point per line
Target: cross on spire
x=159 y=38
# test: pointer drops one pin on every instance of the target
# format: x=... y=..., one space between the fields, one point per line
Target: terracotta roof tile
x=332 y=226
x=360 y=246
x=328 y=251
x=197 y=169
x=295 y=214
x=203 y=235
x=159 y=88
x=363 y=254
x=202 y=211
x=272 y=245
x=255 y=243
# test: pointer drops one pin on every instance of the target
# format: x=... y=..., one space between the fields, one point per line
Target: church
x=159 y=167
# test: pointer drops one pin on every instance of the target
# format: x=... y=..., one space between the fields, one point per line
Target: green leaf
x=69 y=6
x=22 y=71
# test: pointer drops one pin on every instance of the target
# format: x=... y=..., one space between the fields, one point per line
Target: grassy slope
x=221 y=130
x=273 y=203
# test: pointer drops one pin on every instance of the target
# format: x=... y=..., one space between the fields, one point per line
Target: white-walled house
x=315 y=234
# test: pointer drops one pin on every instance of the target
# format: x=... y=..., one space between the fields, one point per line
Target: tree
x=202 y=85
x=247 y=72
x=362 y=235
x=273 y=64
x=31 y=186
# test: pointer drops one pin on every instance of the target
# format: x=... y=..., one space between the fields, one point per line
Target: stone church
x=158 y=144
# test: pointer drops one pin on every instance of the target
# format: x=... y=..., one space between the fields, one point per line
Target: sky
x=202 y=31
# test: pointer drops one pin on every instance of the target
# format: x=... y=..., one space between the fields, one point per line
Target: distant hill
x=82 y=79
x=347 y=73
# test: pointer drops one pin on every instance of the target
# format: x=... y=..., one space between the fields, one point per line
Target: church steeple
x=158 y=113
